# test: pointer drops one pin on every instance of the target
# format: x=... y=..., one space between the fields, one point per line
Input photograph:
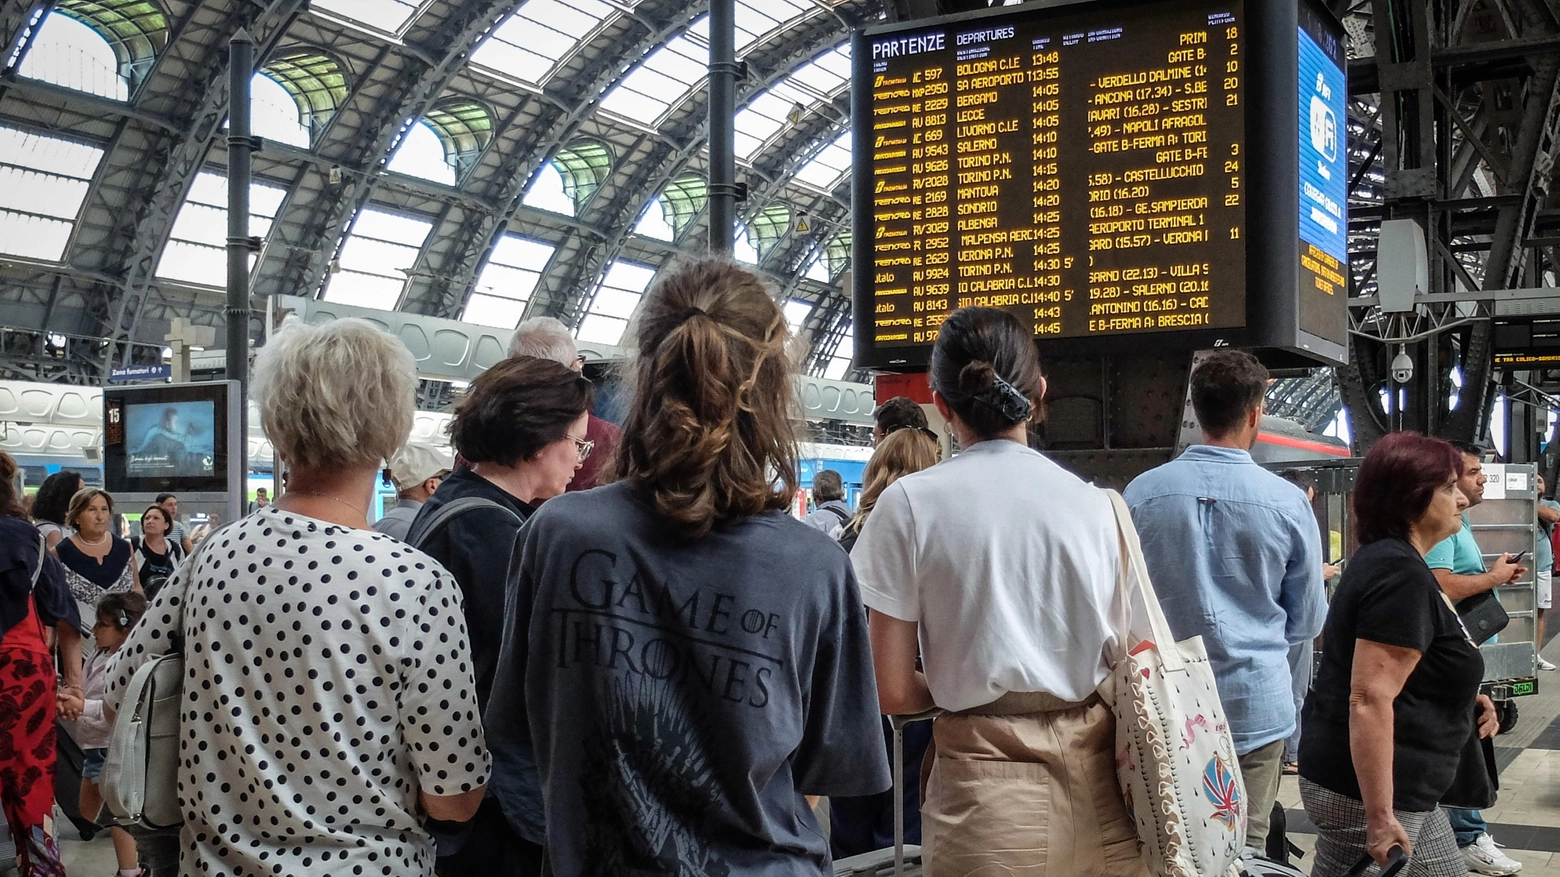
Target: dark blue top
x=19 y=546
x=475 y=547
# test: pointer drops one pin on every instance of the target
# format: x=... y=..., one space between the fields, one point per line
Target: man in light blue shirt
x=1458 y=564
x=1235 y=555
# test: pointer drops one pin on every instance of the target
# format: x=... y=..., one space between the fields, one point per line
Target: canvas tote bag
x=140 y=778
x=1175 y=757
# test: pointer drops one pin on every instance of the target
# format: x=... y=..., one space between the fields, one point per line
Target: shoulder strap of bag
x=1133 y=567
x=843 y=516
x=43 y=558
x=422 y=528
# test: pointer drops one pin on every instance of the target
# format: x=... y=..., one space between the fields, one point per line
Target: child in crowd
x=116 y=614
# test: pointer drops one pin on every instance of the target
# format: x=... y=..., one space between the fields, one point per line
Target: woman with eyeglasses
x=521 y=431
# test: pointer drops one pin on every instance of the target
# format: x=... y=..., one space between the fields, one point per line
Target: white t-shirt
x=1009 y=564
x=327 y=680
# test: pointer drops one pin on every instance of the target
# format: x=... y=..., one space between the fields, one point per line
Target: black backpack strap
x=424 y=527
x=843 y=516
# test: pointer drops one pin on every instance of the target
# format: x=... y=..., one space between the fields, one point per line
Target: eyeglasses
x=582 y=447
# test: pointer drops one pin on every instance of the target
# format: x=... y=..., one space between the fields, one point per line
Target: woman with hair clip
x=689 y=660
x=866 y=823
x=1006 y=569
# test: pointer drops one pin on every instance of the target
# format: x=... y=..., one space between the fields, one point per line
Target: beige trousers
x=1260 y=771
x=1033 y=794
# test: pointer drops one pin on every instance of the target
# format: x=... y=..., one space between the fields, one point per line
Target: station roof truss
x=492 y=160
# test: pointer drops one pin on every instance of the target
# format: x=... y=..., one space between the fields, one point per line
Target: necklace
x=97 y=544
x=335 y=499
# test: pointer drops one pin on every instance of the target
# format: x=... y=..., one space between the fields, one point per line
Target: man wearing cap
x=417 y=471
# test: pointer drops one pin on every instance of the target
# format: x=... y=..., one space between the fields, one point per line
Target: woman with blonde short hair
x=689 y=660
x=326 y=663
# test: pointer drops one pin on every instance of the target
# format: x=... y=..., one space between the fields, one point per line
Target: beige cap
x=413 y=464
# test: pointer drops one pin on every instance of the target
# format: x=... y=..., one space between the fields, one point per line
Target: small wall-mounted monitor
x=174 y=438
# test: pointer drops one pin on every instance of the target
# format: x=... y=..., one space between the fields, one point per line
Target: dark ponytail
x=985 y=366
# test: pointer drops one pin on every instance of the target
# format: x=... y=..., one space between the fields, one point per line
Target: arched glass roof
x=531 y=42
x=474 y=161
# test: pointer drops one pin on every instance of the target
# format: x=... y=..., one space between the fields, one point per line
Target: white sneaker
x=1483 y=857
x=1543 y=664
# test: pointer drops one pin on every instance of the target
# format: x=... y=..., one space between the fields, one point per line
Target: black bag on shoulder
x=1483 y=616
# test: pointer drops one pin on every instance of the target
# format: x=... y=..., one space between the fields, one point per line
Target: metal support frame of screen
x=228 y=441
x=1272 y=188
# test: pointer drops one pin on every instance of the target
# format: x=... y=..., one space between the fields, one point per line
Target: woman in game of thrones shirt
x=689 y=660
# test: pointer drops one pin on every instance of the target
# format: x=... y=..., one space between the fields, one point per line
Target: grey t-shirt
x=684 y=696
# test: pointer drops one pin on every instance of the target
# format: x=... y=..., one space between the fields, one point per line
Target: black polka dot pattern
x=328 y=680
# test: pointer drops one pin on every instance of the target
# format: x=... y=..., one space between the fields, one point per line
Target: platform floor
x=1526 y=820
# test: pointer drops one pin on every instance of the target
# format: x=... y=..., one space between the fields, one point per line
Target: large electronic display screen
x=1324 y=175
x=1089 y=168
x=167 y=438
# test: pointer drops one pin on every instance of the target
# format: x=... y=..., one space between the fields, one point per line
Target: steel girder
x=664 y=164
x=414 y=88
x=559 y=119
x=181 y=159
x=1468 y=121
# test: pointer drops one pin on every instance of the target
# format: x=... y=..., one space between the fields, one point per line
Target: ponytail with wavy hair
x=709 y=435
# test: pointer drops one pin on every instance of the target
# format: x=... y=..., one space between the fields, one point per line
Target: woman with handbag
x=328 y=701
x=33 y=600
x=1396 y=698
x=1007 y=571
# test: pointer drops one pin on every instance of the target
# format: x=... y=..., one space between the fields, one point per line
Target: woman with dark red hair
x=1395 y=697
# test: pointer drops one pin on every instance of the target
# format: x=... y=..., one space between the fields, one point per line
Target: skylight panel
x=507 y=281
x=376 y=259
x=530 y=43
x=622 y=286
x=664 y=77
x=274 y=113
x=421 y=154
x=547 y=192
x=69 y=53
x=43 y=182
x=653 y=224
x=389 y=16
x=838 y=366
x=196 y=251
x=818 y=269
x=796 y=313
x=824 y=170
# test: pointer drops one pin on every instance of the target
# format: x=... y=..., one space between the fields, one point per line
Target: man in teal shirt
x=1458 y=565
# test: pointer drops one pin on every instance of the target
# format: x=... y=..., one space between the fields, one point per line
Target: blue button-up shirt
x=1235 y=555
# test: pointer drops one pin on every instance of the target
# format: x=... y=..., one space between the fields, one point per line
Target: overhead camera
x=1402 y=367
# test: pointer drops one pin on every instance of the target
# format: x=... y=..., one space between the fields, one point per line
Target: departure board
x=1085 y=168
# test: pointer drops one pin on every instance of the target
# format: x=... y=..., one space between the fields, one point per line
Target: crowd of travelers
x=666 y=672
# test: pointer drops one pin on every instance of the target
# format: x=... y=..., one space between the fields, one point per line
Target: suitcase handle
x=1396 y=861
x=898 y=724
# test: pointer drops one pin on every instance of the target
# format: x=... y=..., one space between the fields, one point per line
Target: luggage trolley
x=1505 y=522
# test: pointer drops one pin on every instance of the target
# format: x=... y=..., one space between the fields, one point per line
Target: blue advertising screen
x=1324 y=167
x=170 y=439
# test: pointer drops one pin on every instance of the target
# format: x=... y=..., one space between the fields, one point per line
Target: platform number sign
x=113 y=422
